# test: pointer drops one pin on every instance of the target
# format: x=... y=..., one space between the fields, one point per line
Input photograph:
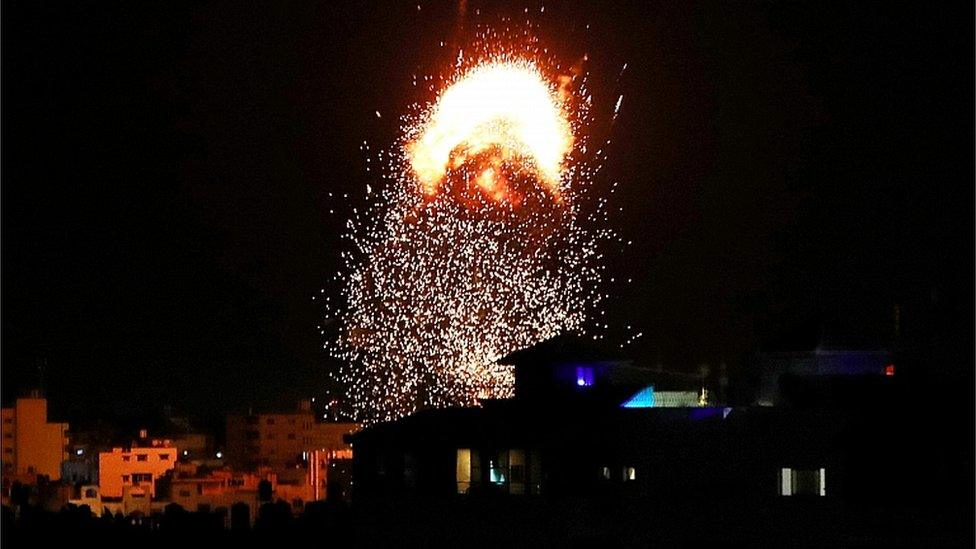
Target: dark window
x=125 y=478
x=141 y=477
x=126 y=458
x=291 y=436
x=141 y=457
x=270 y=421
x=184 y=493
x=164 y=457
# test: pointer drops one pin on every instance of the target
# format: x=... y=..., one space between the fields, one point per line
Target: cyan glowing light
x=642 y=399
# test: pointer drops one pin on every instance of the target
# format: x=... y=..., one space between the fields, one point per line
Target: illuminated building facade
x=281 y=440
x=135 y=468
x=301 y=450
x=31 y=444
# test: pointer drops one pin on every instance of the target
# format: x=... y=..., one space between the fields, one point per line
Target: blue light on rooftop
x=642 y=399
x=584 y=376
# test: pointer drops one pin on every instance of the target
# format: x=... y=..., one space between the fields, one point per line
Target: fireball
x=506 y=109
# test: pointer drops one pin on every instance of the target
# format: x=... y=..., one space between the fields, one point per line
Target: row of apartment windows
x=291 y=436
x=305 y=424
x=145 y=457
x=271 y=421
x=136 y=478
x=627 y=474
x=507 y=469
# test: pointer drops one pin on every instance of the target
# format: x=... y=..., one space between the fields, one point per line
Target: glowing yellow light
x=506 y=105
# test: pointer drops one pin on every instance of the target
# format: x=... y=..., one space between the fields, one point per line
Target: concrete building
x=31 y=444
x=301 y=450
x=139 y=467
x=578 y=428
x=281 y=441
x=197 y=489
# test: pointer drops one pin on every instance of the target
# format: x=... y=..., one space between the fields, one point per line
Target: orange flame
x=503 y=105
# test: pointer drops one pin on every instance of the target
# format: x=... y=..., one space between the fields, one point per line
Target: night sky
x=167 y=170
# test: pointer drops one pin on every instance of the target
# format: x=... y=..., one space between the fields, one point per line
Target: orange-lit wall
x=8 y=446
x=30 y=444
x=116 y=468
x=280 y=440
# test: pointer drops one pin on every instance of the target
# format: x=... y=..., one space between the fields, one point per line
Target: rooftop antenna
x=41 y=363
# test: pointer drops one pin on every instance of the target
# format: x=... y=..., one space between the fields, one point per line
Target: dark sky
x=166 y=171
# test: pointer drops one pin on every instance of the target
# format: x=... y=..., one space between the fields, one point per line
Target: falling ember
x=475 y=245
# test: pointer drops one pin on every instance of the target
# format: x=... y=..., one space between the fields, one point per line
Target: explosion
x=505 y=105
x=474 y=247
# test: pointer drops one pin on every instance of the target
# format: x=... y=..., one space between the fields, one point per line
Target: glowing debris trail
x=473 y=247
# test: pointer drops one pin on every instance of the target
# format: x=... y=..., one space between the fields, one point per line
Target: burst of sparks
x=483 y=238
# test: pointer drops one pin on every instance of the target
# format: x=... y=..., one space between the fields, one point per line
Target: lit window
x=463 y=474
x=141 y=457
x=802 y=482
x=498 y=469
x=605 y=473
x=890 y=370
x=630 y=473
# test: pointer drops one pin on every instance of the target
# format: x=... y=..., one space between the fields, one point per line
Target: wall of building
x=8 y=442
x=117 y=469
x=31 y=444
x=281 y=441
